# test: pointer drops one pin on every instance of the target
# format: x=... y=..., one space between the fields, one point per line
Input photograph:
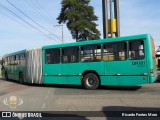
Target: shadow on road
x=121 y=88
x=128 y=88
x=11 y=81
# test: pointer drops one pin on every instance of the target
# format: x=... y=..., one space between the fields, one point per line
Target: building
x=158 y=57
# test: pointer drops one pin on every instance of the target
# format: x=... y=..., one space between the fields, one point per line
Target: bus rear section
x=152 y=68
x=137 y=66
x=14 y=65
x=24 y=66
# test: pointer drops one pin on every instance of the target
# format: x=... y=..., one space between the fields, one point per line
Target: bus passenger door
x=110 y=77
x=51 y=66
x=113 y=55
x=69 y=60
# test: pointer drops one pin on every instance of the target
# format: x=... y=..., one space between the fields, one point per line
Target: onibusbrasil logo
x=13 y=101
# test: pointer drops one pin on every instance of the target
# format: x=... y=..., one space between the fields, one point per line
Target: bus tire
x=6 y=76
x=91 y=81
x=21 y=78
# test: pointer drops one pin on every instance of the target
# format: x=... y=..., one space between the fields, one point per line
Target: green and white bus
x=123 y=61
x=13 y=65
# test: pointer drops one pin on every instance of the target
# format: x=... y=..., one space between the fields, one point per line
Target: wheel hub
x=91 y=81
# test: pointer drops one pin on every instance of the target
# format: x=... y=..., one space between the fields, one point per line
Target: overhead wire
x=37 y=11
x=33 y=20
x=12 y=19
x=14 y=14
x=43 y=9
x=36 y=6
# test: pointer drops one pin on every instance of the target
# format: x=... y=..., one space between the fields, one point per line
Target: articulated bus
x=123 y=61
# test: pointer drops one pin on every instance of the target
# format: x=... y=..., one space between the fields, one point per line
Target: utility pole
x=111 y=18
x=62 y=32
x=105 y=16
x=117 y=16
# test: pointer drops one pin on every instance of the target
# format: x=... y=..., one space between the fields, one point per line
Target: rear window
x=136 y=50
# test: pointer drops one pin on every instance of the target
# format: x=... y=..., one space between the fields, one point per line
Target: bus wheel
x=6 y=76
x=21 y=78
x=91 y=81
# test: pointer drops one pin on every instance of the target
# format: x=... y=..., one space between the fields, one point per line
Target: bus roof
x=142 y=36
x=15 y=53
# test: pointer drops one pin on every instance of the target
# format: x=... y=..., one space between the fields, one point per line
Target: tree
x=79 y=17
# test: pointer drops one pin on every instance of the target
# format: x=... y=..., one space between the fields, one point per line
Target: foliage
x=79 y=17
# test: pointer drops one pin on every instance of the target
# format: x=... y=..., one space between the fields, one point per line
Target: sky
x=35 y=26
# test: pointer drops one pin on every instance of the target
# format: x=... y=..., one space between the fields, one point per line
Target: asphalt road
x=75 y=98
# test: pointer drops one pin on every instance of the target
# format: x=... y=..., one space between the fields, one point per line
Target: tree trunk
x=76 y=36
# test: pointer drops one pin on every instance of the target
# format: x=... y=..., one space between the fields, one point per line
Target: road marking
x=44 y=105
x=49 y=91
x=46 y=97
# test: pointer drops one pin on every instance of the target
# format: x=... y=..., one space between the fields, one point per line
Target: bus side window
x=70 y=55
x=5 y=61
x=122 y=50
x=114 y=51
x=22 y=59
x=13 y=60
x=17 y=60
x=8 y=62
x=2 y=63
x=52 y=56
x=91 y=53
x=136 y=50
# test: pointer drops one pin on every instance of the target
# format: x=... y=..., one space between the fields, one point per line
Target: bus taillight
x=152 y=71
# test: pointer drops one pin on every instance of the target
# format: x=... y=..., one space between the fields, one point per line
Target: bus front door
x=51 y=66
x=51 y=74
